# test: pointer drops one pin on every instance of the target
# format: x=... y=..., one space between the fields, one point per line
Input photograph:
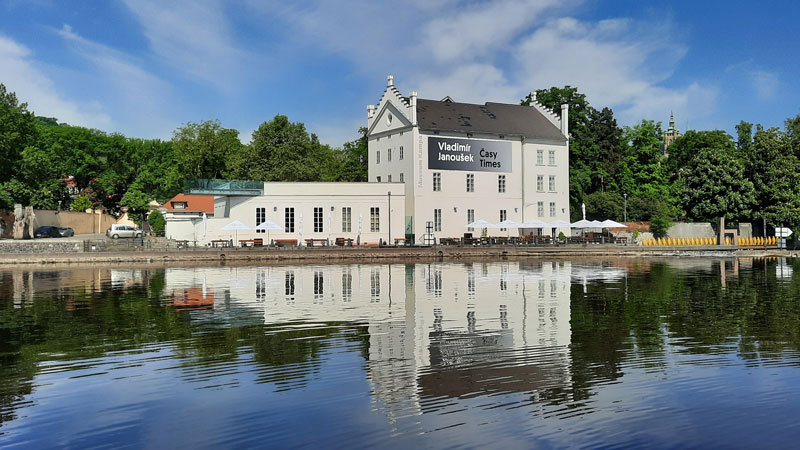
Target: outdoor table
x=403 y=241
x=314 y=242
x=182 y=244
x=341 y=242
x=221 y=243
x=285 y=242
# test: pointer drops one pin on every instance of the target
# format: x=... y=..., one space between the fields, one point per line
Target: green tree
x=661 y=221
x=157 y=222
x=354 y=160
x=203 y=149
x=284 y=151
x=82 y=203
x=713 y=185
x=642 y=172
x=17 y=131
x=776 y=177
x=604 y=205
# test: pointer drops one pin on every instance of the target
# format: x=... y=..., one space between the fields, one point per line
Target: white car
x=117 y=231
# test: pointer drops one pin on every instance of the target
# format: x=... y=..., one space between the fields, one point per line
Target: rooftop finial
x=390 y=80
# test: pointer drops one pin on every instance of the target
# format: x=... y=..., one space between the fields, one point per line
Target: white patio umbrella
x=268 y=225
x=300 y=229
x=508 y=225
x=205 y=225
x=534 y=224
x=583 y=223
x=560 y=224
x=480 y=223
x=360 y=220
x=235 y=226
x=330 y=220
x=608 y=223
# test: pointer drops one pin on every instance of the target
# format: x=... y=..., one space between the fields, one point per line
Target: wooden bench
x=449 y=241
x=221 y=243
x=182 y=244
x=285 y=242
x=341 y=242
x=403 y=241
x=314 y=242
x=251 y=242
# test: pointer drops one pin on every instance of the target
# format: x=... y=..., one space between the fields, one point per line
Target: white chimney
x=370 y=111
x=565 y=120
x=412 y=100
x=390 y=80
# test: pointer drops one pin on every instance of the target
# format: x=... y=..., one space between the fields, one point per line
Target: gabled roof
x=194 y=203
x=491 y=118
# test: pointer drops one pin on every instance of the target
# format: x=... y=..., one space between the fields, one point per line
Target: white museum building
x=434 y=166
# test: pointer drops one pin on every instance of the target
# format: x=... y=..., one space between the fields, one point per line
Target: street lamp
x=626 y=206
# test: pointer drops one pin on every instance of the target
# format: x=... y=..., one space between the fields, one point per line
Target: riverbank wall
x=344 y=254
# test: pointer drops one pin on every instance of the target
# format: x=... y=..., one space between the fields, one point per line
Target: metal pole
x=626 y=206
x=764 y=233
x=389 y=215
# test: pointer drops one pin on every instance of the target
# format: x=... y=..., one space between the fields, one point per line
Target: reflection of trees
x=69 y=324
x=613 y=324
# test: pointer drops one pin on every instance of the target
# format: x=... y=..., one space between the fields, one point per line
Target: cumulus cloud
x=23 y=74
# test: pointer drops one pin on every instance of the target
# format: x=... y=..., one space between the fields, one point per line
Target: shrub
x=661 y=222
x=157 y=223
x=81 y=203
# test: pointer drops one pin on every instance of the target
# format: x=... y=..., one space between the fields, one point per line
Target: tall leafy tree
x=203 y=149
x=354 y=159
x=642 y=173
x=713 y=185
x=775 y=173
x=17 y=131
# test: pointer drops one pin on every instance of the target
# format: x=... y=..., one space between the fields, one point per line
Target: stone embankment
x=68 y=254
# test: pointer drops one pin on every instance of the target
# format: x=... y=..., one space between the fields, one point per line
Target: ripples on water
x=523 y=354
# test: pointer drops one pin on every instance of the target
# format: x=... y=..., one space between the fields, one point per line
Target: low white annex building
x=431 y=162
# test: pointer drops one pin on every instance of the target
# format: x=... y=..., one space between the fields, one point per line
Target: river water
x=512 y=354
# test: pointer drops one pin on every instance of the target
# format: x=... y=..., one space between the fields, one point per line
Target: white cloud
x=140 y=99
x=765 y=83
x=500 y=50
x=194 y=37
x=22 y=74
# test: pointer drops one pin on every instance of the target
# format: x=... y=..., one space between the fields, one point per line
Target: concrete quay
x=354 y=254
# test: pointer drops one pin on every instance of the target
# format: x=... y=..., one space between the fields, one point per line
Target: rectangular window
x=551 y=184
x=470 y=182
x=261 y=217
x=317 y=220
x=551 y=157
x=503 y=216
x=539 y=157
x=552 y=209
x=389 y=155
x=378 y=179
x=347 y=285
x=401 y=177
x=389 y=178
x=375 y=219
x=437 y=181
x=540 y=183
x=470 y=218
x=347 y=221
x=377 y=156
x=437 y=220
x=540 y=209
x=375 y=283
x=501 y=183
x=319 y=283
x=288 y=220
x=289 y=283
x=401 y=150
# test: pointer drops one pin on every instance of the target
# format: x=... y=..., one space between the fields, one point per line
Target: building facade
x=461 y=162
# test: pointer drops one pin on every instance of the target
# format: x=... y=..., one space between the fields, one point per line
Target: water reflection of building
x=434 y=329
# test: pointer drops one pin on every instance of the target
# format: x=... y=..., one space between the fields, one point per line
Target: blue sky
x=143 y=68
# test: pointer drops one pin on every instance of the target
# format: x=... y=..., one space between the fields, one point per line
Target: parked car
x=45 y=232
x=51 y=231
x=117 y=231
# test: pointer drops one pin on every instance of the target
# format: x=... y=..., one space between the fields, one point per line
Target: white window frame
x=347 y=219
x=539 y=183
x=470 y=182
x=552 y=209
x=319 y=220
x=551 y=157
x=437 y=181
x=377 y=156
x=501 y=184
x=551 y=183
x=470 y=218
x=261 y=217
x=540 y=209
x=375 y=219
x=437 y=220
x=288 y=220
x=401 y=150
x=539 y=157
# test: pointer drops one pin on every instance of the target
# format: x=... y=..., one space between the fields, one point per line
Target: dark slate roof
x=491 y=118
